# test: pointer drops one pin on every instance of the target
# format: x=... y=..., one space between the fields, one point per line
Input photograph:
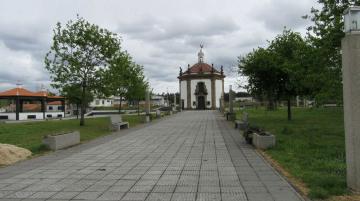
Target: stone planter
x=263 y=141
x=55 y=142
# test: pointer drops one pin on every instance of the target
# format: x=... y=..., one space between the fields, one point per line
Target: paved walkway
x=193 y=155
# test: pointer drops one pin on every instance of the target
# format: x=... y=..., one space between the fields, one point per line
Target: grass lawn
x=311 y=146
x=29 y=135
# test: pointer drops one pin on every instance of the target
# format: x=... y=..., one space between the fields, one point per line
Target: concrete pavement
x=193 y=155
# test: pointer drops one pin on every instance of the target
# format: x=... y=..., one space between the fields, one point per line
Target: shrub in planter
x=249 y=132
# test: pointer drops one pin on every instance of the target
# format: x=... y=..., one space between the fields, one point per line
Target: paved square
x=193 y=155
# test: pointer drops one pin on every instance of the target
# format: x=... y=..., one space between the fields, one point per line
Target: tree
x=137 y=85
x=325 y=35
x=73 y=96
x=118 y=78
x=262 y=74
x=290 y=53
x=80 y=54
x=278 y=71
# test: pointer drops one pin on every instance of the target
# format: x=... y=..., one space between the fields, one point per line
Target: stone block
x=263 y=141
x=230 y=116
x=241 y=125
x=55 y=142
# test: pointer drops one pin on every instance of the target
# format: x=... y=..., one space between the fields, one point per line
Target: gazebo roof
x=18 y=91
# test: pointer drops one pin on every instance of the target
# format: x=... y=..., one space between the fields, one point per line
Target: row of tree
x=86 y=61
x=292 y=65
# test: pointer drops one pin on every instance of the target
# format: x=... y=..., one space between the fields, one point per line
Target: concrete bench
x=243 y=123
x=117 y=123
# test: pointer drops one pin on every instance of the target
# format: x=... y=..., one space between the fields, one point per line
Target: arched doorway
x=201 y=95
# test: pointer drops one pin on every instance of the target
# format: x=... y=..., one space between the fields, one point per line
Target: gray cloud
x=159 y=35
x=284 y=13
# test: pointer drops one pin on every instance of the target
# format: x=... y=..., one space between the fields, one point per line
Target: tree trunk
x=271 y=105
x=83 y=106
x=77 y=110
x=289 y=108
x=138 y=107
x=120 y=104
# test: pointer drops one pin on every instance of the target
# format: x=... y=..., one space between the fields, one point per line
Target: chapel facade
x=201 y=85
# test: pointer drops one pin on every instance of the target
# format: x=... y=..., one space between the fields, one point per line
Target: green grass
x=311 y=146
x=133 y=119
x=29 y=135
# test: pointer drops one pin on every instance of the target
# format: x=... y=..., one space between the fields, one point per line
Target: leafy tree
x=80 y=54
x=72 y=93
x=260 y=68
x=325 y=35
x=277 y=72
x=290 y=56
x=119 y=76
x=137 y=85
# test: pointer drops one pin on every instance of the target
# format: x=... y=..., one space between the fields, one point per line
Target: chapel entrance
x=201 y=93
x=201 y=103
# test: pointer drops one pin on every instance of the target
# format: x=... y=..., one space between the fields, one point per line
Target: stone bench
x=243 y=123
x=117 y=123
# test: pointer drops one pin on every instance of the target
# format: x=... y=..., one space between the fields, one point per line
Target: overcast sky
x=161 y=35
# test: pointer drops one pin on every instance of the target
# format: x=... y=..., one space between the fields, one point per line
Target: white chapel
x=201 y=85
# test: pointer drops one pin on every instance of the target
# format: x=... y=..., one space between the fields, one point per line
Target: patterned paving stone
x=65 y=195
x=193 y=155
x=183 y=197
x=159 y=197
x=110 y=195
x=134 y=196
x=208 y=197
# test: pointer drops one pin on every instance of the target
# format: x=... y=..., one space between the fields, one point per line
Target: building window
x=208 y=103
x=97 y=102
x=103 y=102
x=194 y=103
x=50 y=108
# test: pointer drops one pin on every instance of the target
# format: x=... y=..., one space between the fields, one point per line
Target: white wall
x=218 y=89
x=183 y=90
x=101 y=102
x=24 y=116
x=207 y=83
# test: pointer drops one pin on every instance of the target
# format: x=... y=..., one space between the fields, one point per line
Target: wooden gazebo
x=20 y=95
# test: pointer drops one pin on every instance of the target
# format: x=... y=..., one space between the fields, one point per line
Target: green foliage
x=311 y=147
x=86 y=60
x=277 y=72
x=325 y=35
x=73 y=94
x=80 y=54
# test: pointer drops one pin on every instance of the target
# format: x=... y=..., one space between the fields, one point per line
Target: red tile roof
x=24 y=92
x=201 y=68
x=54 y=103
x=17 y=92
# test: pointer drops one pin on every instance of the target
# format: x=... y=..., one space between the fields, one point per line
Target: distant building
x=22 y=104
x=102 y=102
x=201 y=85
x=157 y=100
x=244 y=99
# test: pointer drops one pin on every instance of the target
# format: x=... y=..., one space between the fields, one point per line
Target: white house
x=157 y=100
x=102 y=102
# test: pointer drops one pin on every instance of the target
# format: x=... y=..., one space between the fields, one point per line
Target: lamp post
x=350 y=45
